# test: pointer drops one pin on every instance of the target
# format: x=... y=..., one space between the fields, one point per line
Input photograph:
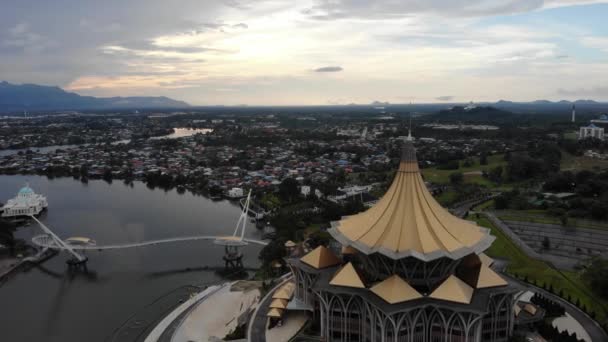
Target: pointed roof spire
x=320 y=257
x=453 y=290
x=347 y=276
x=408 y=221
x=489 y=278
x=395 y=290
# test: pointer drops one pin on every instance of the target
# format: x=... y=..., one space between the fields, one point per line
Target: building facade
x=26 y=203
x=591 y=131
x=407 y=271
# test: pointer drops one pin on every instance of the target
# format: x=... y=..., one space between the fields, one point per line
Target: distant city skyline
x=235 y=52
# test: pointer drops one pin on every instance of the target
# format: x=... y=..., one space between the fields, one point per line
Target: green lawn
x=540 y=272
x=472 y=174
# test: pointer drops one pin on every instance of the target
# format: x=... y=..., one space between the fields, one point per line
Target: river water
x=48 y=303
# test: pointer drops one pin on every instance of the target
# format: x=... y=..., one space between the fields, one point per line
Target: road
x=596 y=333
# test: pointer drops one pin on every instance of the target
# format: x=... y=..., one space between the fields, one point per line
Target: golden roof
x=290 y=244
x=276 y=313
x=395 y=290
x=284 y=292
x=348 y=250
x=407 y=221
x=489 y=278
x=278 y=303
x=485 y=259
x=320 y=257
x=453 y=290
x=347 y=276
x=529 y=308
x=517 y=310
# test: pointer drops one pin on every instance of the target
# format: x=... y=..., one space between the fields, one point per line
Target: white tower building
x=573 y=113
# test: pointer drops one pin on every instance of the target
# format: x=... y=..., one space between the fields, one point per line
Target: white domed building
x=26 y=203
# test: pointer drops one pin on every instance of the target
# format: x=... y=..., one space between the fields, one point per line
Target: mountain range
x=33 y=97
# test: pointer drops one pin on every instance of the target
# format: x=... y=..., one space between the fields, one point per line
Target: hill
x=32 y=97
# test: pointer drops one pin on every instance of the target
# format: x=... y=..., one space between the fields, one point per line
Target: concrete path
x=571 y=325
x=293 y=322
x=217 y=315
x=160 y=328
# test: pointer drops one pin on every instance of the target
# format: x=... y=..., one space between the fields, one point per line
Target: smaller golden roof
x=320 y=257
x=290 y=244
x=489 y=278
x=278 y=303
x=485 y=259
x=347 y=276
x=284 y=292
x=348 y=250
x=275 y=313
x=395 y=290
x=529 y=308
x=276 y=264
x=517 y=310
x=453 y=290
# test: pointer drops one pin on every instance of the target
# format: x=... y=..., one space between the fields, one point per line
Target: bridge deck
x=47 y=241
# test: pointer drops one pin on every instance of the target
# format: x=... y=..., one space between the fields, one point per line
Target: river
x=48 y=303
x=177 y=133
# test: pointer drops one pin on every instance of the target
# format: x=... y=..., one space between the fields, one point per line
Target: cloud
x=340 y=9
x=596 y=42
x=444 y=98
x=329 y=69
x=597 y=92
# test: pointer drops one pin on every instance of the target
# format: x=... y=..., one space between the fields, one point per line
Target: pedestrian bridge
x=52 y=241
x=46 y=241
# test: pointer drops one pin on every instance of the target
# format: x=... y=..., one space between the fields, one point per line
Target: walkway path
x=219 y=314
x=257 y=325
x=160 y=328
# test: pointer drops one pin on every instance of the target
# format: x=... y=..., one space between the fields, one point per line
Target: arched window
x=436 y=327
x=389 y=330
x=457 y=332
x=419 y=327
x=354 y=320
x=336 y=320
x=404 y=329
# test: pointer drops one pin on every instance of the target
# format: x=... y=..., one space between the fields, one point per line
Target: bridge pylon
x=77 y=260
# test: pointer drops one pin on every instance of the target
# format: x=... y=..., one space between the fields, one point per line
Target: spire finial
x=409 y=131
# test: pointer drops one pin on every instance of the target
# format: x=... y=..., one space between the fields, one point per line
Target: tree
x=275 y=250
x=483 y=159
x=288 y=189
x=597 y=276
x=456 y=178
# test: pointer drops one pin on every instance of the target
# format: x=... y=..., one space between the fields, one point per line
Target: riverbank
x=7 y=267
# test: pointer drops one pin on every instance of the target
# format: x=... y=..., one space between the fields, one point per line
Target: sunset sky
x=310 y=52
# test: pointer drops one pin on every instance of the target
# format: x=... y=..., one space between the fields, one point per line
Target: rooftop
x=408 y=221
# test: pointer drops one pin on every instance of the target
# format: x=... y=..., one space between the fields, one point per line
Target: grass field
x=575 y=163
x=472 y=174
x=541 y=273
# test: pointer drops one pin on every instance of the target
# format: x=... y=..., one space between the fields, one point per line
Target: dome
x=26 y=190
x=408 y=221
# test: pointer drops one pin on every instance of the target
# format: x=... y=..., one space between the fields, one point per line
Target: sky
x=310 y=52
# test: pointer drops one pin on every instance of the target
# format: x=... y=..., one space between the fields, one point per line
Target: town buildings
x=407 y=270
